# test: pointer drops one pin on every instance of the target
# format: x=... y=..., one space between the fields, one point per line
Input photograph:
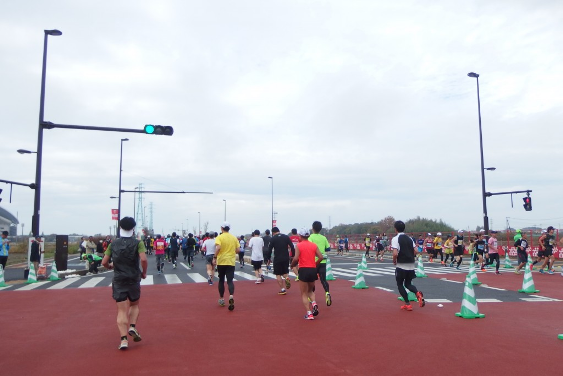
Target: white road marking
x=91 y=282
x=172 y=279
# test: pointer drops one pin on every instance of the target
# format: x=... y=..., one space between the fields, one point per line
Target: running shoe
x=174 y=266
x=231 y=303
x=123 y=345
x=135 y=334
x=406 y=307
x=159 y=272
x=531 y=266
x=420 y=298
x=315 y=309
x=458 y=268
x=442 y=262
x=192 y=264
x=261 y=278
x=483 y=269
x=210 y=281
x=296 y=279
x=497 y=272
x=451 y=264
x=258 y=282
x=541 y=271
x=309 y=316
x=222 y=302
x=431 y=260
x=282 y=292
x=287 y=283
x=550 y=272
x=517 y=272
x=328 y=299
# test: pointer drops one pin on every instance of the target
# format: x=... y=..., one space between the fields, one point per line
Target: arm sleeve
x=108 y=250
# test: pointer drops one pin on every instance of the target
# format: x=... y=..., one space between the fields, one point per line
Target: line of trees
x=385 y=225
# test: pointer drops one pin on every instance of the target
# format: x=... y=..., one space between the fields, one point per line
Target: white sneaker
x=258 y=281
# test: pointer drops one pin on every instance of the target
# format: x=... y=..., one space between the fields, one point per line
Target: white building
x=8 y=222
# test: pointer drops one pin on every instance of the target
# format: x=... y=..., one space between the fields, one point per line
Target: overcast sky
x=357 y=109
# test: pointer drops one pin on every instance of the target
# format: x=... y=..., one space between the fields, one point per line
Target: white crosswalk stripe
x=64 y=283
x=147 y=281
x=196 y=277
x=91 y=282
x=31 y=286
x=172 y=279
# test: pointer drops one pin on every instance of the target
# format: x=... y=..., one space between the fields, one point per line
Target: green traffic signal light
x=159 y=129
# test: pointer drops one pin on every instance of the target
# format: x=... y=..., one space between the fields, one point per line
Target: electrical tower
x=140 y=213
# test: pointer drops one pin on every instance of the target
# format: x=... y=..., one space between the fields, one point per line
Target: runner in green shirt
x=324 y=246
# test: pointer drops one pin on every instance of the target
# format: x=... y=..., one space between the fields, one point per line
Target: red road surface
x=185 y=332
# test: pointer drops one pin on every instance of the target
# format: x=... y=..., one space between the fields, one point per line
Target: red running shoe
x=420 y=299
x=406 y=307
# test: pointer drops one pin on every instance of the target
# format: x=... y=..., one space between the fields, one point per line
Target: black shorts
x=281 y=267
x=541 y=254
x=257 y=265
x=308 y=274
x=267 y=256
x=480 y=253
x=209 y=259
x=522 y=257
x=548 y=252
x=458 y=251
x=123 y=292
x=430 y=250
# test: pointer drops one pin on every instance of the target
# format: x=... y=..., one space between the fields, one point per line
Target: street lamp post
x=483 y=191
x=119 y=196
x=271 y=177
x=37 y=197
x=225 y=217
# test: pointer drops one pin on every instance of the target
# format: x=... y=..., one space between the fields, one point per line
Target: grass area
x=18 y=252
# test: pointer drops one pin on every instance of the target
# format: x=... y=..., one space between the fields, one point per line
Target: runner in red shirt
x=159 y=246
x=305 y=252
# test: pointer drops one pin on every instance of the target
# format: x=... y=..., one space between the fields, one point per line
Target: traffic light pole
x=489 y=194
x=49 y=125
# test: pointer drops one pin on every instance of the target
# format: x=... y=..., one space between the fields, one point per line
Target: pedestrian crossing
x=346 y=271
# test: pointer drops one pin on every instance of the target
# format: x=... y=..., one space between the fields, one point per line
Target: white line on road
x=91 y=282
x=448 y=280
x=147 y=281
x=63 y=284
x=172 y=279
x=31 y=286
x=489 y=301
x=246 y=275
x=437 y=301
x=492 y=288
x=196 y=277
x=383 y=288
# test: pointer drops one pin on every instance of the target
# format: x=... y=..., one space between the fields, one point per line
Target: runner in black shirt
x=267 y=251
x=281 y=244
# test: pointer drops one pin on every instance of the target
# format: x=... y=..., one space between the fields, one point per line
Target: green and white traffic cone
x=411 y=295
x=469 y=309
x=528 y=282
x=359 y=282
x=329 y=275
x=507 y=262
x=473 y=274
x=420 y=269
x=31 y=278
x=54 y=276
x=364 y=264
x=560 y=336
x=2 y=281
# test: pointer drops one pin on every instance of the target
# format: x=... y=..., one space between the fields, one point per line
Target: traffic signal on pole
x=159 y=129
x=527 y=203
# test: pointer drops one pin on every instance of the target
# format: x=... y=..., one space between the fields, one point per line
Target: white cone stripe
x=471 y=307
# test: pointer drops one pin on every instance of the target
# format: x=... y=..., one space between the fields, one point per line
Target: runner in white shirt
x=256 y=244
x=209 y=248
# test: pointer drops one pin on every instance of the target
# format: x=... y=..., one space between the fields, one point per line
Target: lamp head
x=472 y=74
x=124 y=139
x=54 y=32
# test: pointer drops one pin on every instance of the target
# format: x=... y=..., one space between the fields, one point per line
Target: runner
x=385 y=242
x=209 y=248
x=438 y=247
x=493 y=251
x=294 y=239
x=429 y=245
x=459 y=247
x=159 y=245
x=521 y=245
x=367 y=243
x=126 y=253
x=403 y=258
x=306 y=253
x=324 y=246
x=281 y=244
x=256 y=244
x=449 y=249
x=379 y=249
x=480 y=251
x=242 y=244
x=346 y=244
x=541 y=251
x=226 y=248
x=191 y=243
x=340 y=243
x=174 y=248
x=267 y=251
x=548 y=241
x=419 y=246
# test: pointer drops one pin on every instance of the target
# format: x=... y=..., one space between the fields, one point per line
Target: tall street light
x=483 y=192
x=37 y=198
x=199 y=224
x=119 y=196
x=270 y=177
x=225 y=218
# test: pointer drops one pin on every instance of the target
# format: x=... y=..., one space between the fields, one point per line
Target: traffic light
x=527 y=203
x=159 y=129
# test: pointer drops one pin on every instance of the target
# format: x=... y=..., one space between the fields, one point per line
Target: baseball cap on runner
x=518 y=230
x=439 y=234
x=226 y=224
x=304 y=232
x=429 y=234
x=460 y=231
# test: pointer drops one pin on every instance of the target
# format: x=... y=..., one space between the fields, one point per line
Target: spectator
x=4 y=250
x=35 y=255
